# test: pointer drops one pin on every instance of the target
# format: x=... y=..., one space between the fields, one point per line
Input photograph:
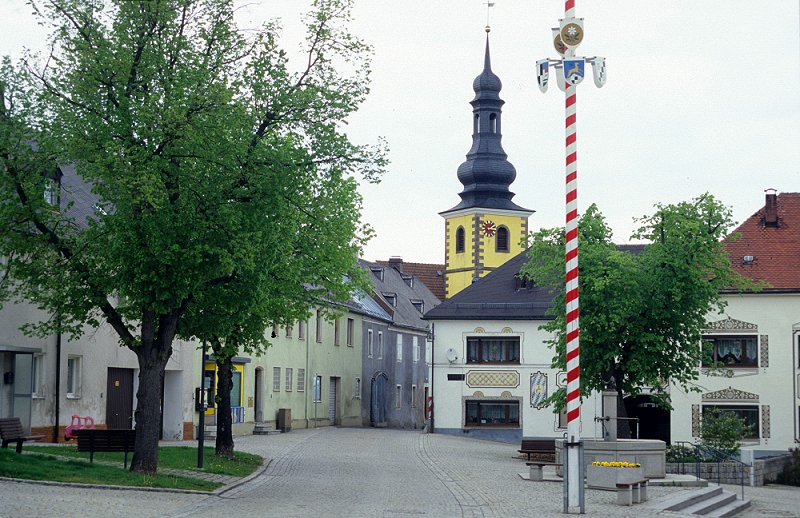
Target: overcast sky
x=702 y=95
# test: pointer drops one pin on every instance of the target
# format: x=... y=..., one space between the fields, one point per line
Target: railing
x=708 y=455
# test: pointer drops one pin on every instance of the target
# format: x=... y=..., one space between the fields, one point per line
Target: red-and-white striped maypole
x=571 y=258
x=570 y=71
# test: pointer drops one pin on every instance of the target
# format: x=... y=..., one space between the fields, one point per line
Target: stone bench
x=632 y=493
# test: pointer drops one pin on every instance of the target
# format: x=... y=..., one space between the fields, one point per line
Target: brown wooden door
x=119 y=403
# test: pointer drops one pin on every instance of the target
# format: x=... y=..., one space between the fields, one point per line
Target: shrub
x=678 y=453
x=722 y=431
x=791 y=473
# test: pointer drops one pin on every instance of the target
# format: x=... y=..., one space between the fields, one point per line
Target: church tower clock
x=485 y=229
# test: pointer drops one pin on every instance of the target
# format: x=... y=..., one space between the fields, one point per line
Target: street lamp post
x=569 y=73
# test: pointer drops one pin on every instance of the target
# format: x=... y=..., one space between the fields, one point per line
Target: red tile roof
x=775 y=250
x=432 y=275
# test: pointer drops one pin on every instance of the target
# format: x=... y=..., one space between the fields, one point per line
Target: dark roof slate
x=497 y=296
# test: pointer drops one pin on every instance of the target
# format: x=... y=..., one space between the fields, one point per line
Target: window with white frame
x=74 y=377
x=369 y=343
x=413 y=396
x=276 y=379
x=380 y=345
x=357 y=389
x=415 y=341
x=336 y=332
x=301 y=330
x=301 y=380
x=38 y=376
x=397 y=396
x=289 y=380
x=491 y=413
x=428 y=352
x=399 y=347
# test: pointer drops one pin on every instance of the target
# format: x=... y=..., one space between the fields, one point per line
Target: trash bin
x=285 y=419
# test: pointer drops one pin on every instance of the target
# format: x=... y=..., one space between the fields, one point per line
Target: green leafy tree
x=220 y=176
x=642 y=313
x=722 y=431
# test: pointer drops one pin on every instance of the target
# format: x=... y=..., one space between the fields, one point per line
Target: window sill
x=37 y=396
x=73 y=396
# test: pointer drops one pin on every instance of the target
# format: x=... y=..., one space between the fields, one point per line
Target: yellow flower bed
x=617 y=464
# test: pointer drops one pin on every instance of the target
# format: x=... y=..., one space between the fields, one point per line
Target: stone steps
x=264 y=429
x=709 y=501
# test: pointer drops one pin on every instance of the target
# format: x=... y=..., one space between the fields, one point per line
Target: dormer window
x=391 y=298
x=409 y=279
x=460 y=240
x=419 y=305
x=378 y=272
x=52 y=191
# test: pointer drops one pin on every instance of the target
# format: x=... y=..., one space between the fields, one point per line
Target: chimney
x=771 y=209
x=396 y=262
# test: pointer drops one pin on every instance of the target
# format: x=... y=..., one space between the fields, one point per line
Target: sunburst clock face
x=488 y=228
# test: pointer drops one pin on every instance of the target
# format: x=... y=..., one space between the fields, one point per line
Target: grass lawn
x=42 y=467
x=179 y=457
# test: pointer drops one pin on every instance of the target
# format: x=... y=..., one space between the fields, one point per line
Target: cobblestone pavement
x=364 y=472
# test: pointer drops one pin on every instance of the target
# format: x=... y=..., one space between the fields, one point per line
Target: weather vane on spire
x=489 y=6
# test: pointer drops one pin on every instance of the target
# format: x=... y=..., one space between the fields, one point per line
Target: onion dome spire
x=486 y=174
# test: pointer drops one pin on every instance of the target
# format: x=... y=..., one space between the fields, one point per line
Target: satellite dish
x=451 y=355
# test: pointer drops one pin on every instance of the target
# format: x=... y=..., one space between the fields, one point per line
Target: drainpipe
x=58 y=386
x=795 y=346
x=433 y=374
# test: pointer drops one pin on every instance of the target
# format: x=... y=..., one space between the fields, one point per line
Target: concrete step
x=710 y=504
x=210 y=432
x=264 y=429
x=688 y=498
x=731 y=509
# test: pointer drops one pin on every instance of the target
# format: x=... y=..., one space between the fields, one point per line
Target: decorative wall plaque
x=538 y=389
x=764 y=352
x=731 y=325
x=695 y=420
x=765 y=421
x=730 y=394
x=493 y=379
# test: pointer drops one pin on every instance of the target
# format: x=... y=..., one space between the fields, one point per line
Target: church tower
x=485 y=229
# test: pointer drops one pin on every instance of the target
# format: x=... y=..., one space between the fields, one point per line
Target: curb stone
x=219 y=491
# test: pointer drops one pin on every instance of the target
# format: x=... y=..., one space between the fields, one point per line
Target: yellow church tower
x=484 y=230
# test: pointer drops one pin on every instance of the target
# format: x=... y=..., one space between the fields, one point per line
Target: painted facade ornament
x=731 y=324
x=765 y=432
x=764 y=350
x=538 y=389
x=730 y=394
x=561 y=379
x=695 y=420
x=492 y=379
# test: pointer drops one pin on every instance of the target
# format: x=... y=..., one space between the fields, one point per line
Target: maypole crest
x=566 y=38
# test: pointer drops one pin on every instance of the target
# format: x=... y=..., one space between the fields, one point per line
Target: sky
x=702 y=96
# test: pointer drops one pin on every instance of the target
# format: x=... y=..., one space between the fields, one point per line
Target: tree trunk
x=224 y=446
x=148 y=412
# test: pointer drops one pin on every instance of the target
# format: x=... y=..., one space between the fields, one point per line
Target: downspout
x=58 y=386
x=433 y=374
x=795 y=346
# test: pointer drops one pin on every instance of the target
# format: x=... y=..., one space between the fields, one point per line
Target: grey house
x=394 y=359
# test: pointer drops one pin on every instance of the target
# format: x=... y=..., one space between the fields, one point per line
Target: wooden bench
x=11 y=431
x=93 y=440
x=632 y=493
x=544 y=447
x=536 y=466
